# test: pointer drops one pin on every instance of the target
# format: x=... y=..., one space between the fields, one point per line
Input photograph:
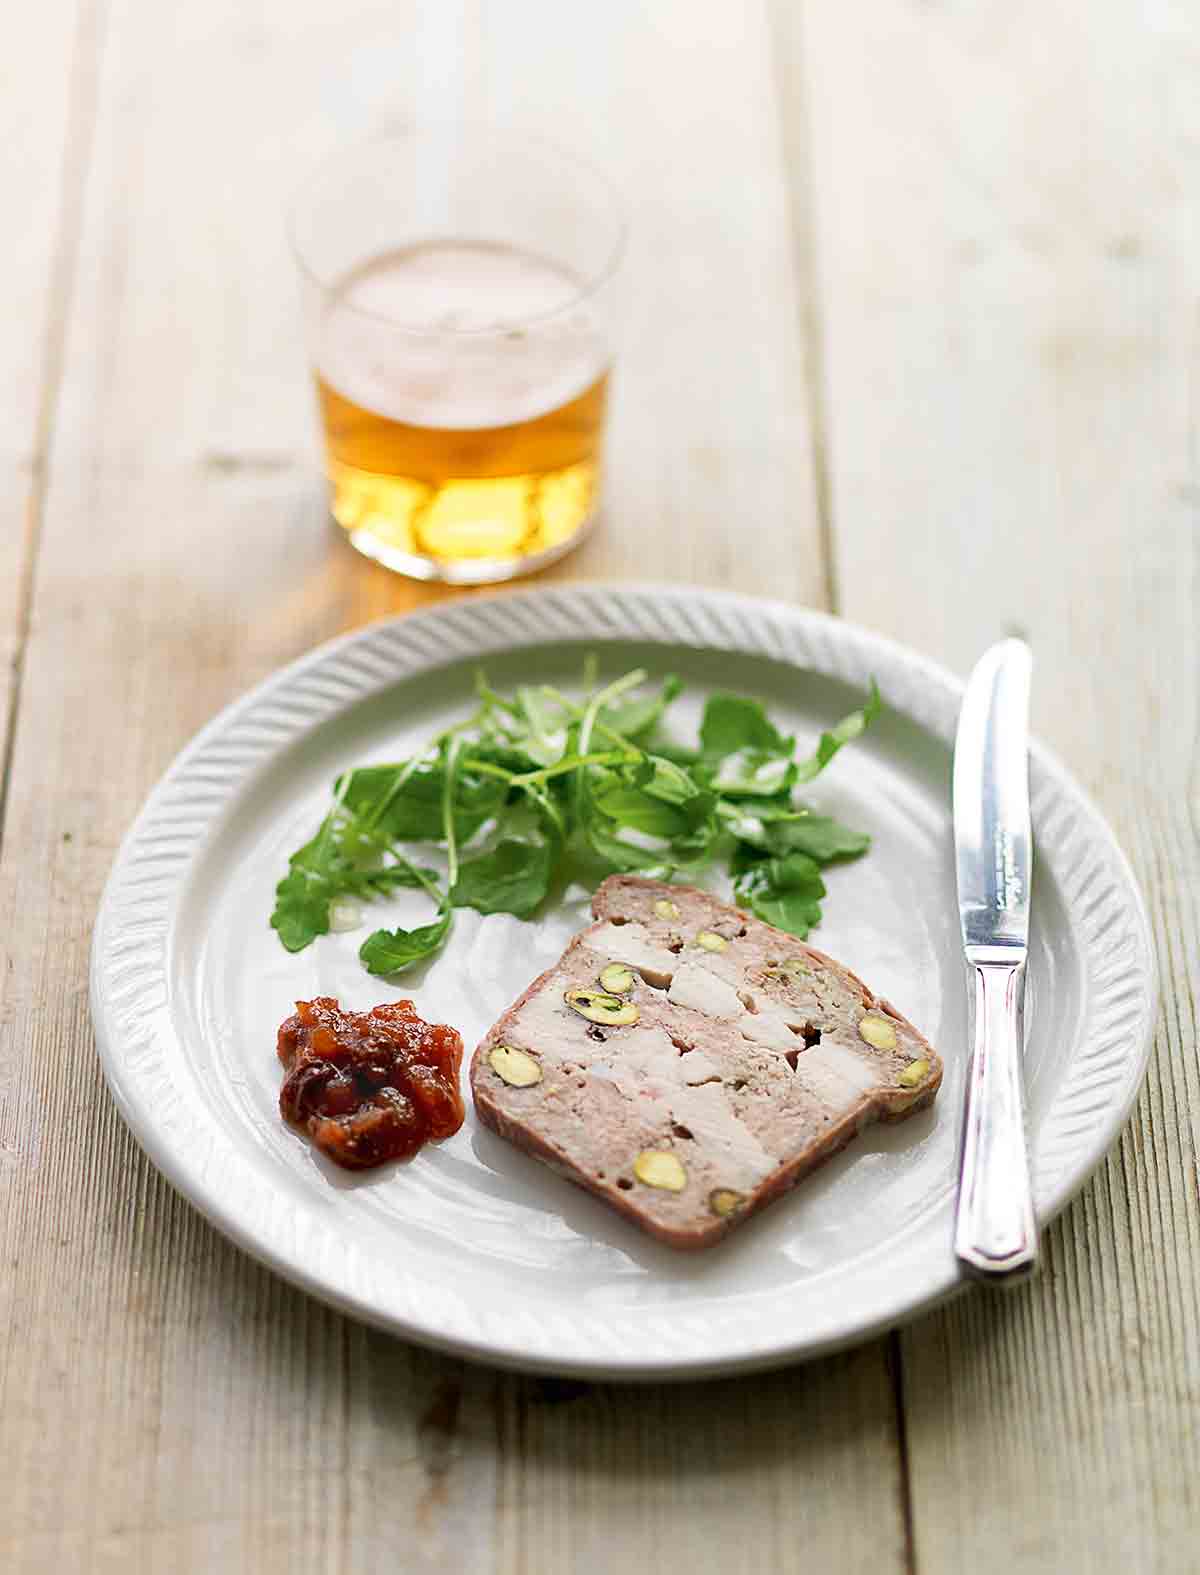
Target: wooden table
x=913 y=337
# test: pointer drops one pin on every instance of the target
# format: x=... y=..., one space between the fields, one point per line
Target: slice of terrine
x=688 y=1063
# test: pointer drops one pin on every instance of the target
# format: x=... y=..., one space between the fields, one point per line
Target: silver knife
x=995 y=1232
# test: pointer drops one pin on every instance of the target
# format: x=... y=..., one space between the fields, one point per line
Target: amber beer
x=462 y=388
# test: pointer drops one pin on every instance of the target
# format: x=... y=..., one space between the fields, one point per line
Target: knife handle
x=995 y=1232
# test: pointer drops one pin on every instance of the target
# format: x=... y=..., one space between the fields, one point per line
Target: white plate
x=474 y=1247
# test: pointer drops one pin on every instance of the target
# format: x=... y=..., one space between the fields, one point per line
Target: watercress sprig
x=529 y=780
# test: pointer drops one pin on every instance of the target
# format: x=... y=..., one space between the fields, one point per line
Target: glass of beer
x=459 y=289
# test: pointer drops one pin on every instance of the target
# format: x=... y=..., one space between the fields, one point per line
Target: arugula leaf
x=743 y=752
x=657 y=798
x=776 y=830
x=319 y=873
x=848 y=729
x=664 y=779
x=547 y=726
x=636 y=809
x=513 y=878
x=748 y=822
x=785 y=892
x=302 y=900
x=633 y=718
x=388 y=951
x=745 y=857
x=732 y=723
x=695 y=847
x=745 y=755
x=820 y=836
x=753 y=773
x=602 y=838
x=411 y=810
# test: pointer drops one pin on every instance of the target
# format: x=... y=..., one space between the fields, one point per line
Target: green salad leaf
x=406 y=806
x=642 y=811
x=391 y=951
x=743 y=755
x=635 y=718
x=332 y=865
x=773 y=829
x=732 y=724
x=513 y=878
x=847 y=730
x=784 y=892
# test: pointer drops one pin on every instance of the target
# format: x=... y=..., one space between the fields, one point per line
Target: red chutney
x=369 y=1086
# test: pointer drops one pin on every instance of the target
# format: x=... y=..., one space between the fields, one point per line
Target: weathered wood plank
x=747 y=1477
x=45 y=128
x=1007 y=245
x=165 y=1403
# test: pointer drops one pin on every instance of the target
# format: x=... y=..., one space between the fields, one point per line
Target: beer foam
x=458 y=334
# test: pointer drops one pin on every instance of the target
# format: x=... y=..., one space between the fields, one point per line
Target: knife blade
x=995 y=1229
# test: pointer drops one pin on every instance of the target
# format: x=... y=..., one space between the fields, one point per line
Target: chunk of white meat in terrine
x=835 y=1074
x=700 y=989
x=651 y=1054
x=773 y=1030
x=632 y=945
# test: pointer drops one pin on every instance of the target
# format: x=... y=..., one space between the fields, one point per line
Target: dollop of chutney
x=369 y=1086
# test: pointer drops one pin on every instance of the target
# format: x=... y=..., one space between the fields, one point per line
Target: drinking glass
x=459 y=290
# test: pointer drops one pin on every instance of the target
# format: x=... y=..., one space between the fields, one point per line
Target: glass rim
x=419 y=131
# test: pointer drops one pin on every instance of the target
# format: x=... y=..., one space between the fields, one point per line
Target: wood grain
x=164 y=1402
x=1006 y=221
x=45 y=129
